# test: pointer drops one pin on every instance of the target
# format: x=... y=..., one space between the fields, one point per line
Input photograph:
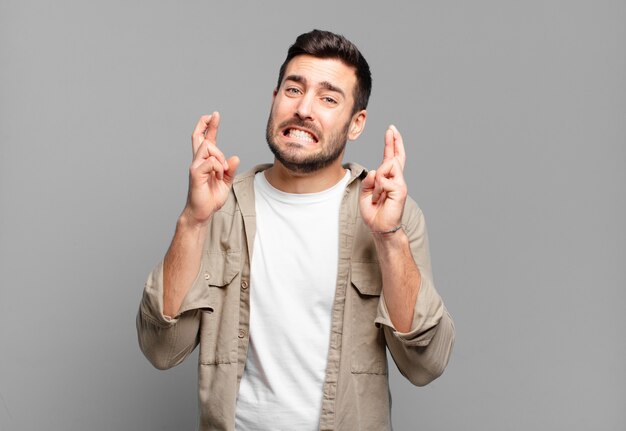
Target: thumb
x=233 y=164
x=367 y=185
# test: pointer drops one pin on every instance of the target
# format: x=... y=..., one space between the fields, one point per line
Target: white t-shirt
x=292 y=286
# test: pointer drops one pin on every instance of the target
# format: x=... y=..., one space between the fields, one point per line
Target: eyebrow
x=324 y=84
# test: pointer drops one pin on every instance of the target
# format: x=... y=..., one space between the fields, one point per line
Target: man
x=294 y=277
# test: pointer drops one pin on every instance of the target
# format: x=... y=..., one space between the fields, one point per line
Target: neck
x=289 y=181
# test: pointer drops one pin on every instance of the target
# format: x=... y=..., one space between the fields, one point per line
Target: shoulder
x=248 y=176
x=357 y=172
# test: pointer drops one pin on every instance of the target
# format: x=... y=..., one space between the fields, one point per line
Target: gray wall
x=514 y=117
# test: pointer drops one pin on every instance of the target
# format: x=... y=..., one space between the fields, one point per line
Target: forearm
x=182 y=263
x=401 y=277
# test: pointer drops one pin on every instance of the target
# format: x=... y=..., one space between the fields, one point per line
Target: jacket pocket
x=219 y=316
x=368 y=341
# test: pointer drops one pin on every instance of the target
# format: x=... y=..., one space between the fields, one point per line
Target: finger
x=385 y=187
x=202 y=153
x=385 y=184
x=389 y=178
x=391 y=169
x=231 y=170
x=367 y=185
x=386 y=169
x=389 y=145
x=212 y=166
x=211 y=131
x=206 y=150
x=212 y=150
x=377 y=193
x=198 y=132
x=399 y=152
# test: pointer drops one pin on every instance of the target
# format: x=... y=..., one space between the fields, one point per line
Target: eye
x=292 y=91
x=329 y=100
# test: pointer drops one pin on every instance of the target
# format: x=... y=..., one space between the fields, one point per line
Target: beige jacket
x=215 y=314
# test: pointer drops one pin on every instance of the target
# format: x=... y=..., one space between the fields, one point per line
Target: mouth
x=300 y=134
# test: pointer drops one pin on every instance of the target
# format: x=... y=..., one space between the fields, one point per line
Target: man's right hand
x=210 y=179
x=210 y=175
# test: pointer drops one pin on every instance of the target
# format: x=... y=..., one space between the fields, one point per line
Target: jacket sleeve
x=165 y=341
x=422 y=353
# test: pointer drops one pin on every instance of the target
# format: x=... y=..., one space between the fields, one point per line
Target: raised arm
x=418 y=330
x=165 y=336
x=210 y=179
x=382 y=200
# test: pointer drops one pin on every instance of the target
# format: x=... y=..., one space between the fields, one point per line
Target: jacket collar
x=245 y=181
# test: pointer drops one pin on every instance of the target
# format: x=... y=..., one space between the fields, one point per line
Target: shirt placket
x=346 y=237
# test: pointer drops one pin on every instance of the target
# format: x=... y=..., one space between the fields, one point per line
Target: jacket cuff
x=426 y=315
x=152 y=301
x=151 y=306
x=197 y=297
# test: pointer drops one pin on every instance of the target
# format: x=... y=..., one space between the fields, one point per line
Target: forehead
x=318 y=70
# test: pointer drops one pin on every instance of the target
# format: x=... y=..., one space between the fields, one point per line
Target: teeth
x=301 y=134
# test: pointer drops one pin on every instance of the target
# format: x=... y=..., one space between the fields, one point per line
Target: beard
x=289 y=157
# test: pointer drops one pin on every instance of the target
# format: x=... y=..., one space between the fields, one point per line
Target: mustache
x=298 y=122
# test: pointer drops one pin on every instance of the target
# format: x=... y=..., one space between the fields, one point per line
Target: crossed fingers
x=207 y=157
x=394 y=146
x=388 y=177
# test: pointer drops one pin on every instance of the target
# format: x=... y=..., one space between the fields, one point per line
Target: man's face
x=311 y=116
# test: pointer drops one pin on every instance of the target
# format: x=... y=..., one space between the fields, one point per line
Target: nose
x=305 y=107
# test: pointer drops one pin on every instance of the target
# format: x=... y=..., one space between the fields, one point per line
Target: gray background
x=514 y=117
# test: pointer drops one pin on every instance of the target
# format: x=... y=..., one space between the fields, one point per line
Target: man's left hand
x=384 y=191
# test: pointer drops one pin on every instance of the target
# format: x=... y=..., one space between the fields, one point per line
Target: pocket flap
x=221 y=268
x=366 y=277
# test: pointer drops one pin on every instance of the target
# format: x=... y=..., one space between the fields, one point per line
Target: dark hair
x=324 y=44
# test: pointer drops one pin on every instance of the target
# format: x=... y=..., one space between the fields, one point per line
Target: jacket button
x=207 y=275
x=244 y=284
x=242 y=333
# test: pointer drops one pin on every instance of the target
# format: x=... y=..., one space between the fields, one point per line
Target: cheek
x=336 y=123
x=282 y=104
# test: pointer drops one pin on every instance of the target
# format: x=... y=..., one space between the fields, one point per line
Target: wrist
x=390 y=239
x=388 y=232
x=187 y=221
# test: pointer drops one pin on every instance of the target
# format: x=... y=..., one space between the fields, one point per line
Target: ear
x=357 y=124
x=274 y=94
